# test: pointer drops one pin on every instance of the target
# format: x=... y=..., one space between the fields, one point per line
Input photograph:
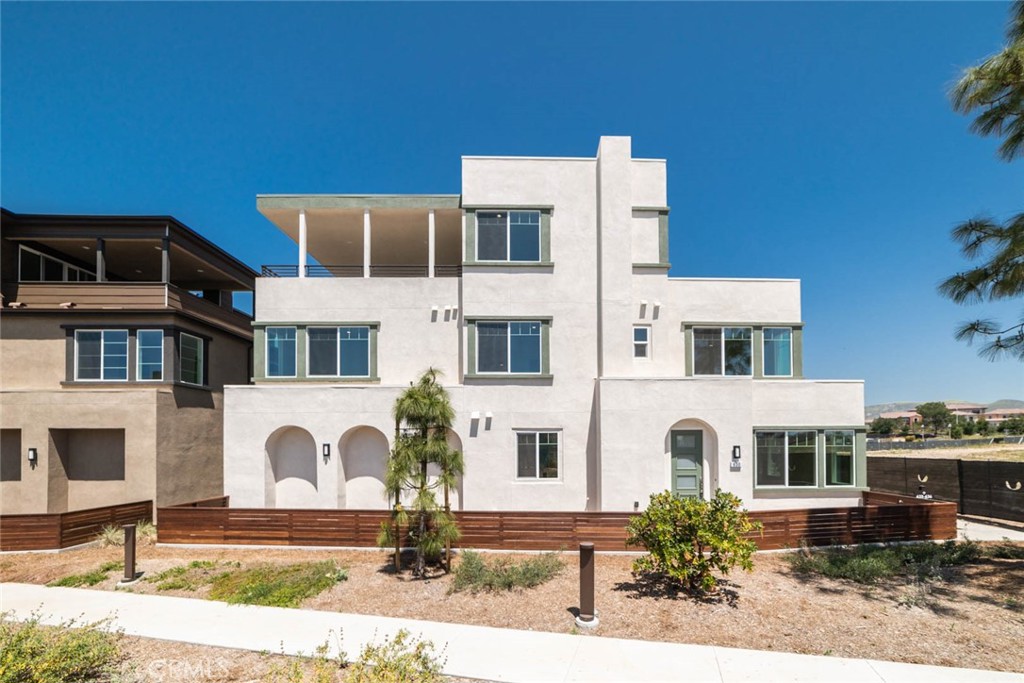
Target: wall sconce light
x=327 y=452
x=735 y=452
x=33 y=456
x=636 y=506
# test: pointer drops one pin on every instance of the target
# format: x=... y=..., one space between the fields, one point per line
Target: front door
x=687 y=462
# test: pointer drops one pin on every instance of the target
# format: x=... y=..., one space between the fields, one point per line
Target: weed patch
x=109 y=536
x=89 y=578
x=475 y=575
x=403 y=659
x=1006 y=550
x=67 y=653
x=276 y=585
x=870 y=564
x=189 y=577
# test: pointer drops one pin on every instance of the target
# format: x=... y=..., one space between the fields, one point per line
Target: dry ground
x=974 y=619
x=999 y=451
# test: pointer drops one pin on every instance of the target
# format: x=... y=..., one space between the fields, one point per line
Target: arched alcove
x=684 y=431
x=364 y=455
x=291 y=458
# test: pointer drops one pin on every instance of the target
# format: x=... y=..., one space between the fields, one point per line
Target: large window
x=839 y=457
x=338 y=351
x=36 y=267
x=722 y=350
x=191 y=359
x=150 y=350
x=778 y=352
x=508 y=236
x=281 y=352
x=508 y=347
x=101 y=355
x=537 y=455
x=786 y=458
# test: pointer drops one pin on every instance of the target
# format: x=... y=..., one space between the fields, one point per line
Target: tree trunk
x=447 y=543
x=420 y=557
x=398 y=527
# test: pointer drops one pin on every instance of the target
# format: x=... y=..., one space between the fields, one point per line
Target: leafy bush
x=109 y=536
x=88 y=579
x=277 y=585
x=70 y=652
x=476 y=575
x=687 y=538
x=400 y=660
x=869 y=564
x=1005 y=550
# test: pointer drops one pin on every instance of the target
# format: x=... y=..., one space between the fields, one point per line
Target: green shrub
x=687 y=539
x=70 y=652
x=869 y=564
x=1006 y=550
x=187 y=577
x=476 y=575
x=277 y=585
x=400 y=660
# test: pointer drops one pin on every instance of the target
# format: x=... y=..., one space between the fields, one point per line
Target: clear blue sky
x=804 y=140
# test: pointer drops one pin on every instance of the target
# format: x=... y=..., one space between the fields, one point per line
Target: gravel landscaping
x=971 y=616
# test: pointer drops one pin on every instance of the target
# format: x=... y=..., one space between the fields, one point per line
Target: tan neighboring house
x=999 y=415
x=117 y=336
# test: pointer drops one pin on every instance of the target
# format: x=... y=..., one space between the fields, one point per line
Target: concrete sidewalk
x=472 y=651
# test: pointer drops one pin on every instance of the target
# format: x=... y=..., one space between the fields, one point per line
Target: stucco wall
x=34 y=352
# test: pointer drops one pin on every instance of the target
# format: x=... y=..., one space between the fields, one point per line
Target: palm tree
x=423 y=415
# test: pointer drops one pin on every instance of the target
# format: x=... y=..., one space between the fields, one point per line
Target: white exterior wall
x=613 y=412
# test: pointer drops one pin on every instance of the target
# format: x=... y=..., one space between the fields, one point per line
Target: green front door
x=687 y=462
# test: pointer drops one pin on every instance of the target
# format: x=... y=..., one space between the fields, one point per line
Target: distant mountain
x=873 y=411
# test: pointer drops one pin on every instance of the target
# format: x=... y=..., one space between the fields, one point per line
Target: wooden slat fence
x=881 y=519
x=65 y=529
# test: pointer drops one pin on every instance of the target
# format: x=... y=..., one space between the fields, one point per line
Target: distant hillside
x=873 y=411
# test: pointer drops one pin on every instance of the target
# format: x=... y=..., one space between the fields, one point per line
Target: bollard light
x=588 y=614
x=129 y=554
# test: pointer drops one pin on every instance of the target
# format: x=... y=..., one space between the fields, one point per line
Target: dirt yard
x=999 y=451
x=973 y=619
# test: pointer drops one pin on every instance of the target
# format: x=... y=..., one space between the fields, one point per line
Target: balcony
x=357 y=271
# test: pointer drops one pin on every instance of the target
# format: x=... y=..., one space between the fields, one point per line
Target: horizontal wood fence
x=881 y=519
x=64 y=529
x=987 y=488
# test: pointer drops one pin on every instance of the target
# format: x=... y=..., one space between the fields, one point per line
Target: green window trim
x=260 y=351
x=822 y=487
x=545 y=348
x=796 y=346
x=469 y=250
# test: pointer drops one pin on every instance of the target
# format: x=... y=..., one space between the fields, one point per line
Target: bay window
x=101 y=355
x=150 y=352
x=191 y=359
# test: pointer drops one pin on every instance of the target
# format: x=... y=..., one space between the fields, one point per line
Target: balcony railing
x=357 y=271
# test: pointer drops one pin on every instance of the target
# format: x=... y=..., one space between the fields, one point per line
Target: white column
x=430 y=244
x=302 y=243
x=366 y=243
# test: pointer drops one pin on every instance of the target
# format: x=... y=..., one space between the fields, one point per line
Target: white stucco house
x=584 y=377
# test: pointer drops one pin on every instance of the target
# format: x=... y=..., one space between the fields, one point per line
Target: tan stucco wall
x=189 y=445
x=33 y=352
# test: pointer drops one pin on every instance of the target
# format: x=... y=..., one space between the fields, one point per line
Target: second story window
x=191 y=359
x=508 y=236
x=722 y=351
x=508 y=347
x=150 y=345
x=36 y=267
x=281 y=352
x=778 y=356
x=338 y=351
x=101 y=355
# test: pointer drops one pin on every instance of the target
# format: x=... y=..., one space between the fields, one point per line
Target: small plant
x=403 y=659
x=277 y=586
x=870 y=564
x=321 y=666
x=688 y=539
x=89 y=578
x=475 y=575
x=110 y=535
x=187 y=577
x=67 y=653
x=1006 y=550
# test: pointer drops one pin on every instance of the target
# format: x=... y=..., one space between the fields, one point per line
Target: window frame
x=853 y=458
x=127 y=352
x=646 y=342
x=508 y=348
x=138 y=356
x=337 y=351
x=785 y=467
x=266 y=351
x=508 y=235
x=66 y=268
x=764 y=354
x=721 y=348
x=201 y=360
x=558 y=455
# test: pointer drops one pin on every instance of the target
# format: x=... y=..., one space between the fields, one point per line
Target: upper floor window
x=641 y=341
x=101 y=355
x=508 y=236
x=191 y=359
x=722 y=351
x=537 y=455
x=281 y=352
x=338 y=351
x=786 y=458
x=34 y=266
x=778 y=352
x=150 y=345
x=508 y=347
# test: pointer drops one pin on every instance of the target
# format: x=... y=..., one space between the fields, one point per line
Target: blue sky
x=809 y=140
